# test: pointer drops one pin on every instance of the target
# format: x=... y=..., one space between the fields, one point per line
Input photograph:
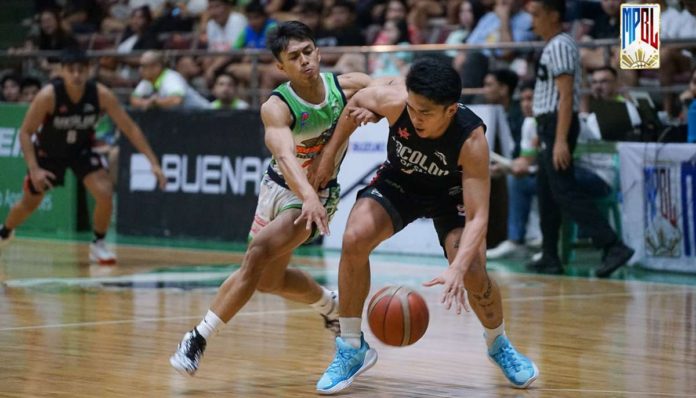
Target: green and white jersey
x=312 y=124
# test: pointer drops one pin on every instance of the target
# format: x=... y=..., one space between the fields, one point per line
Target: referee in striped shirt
x=556 y=99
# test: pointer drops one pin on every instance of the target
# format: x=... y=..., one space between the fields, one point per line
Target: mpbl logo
x=640 y=36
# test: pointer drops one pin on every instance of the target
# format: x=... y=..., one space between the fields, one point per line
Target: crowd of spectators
x=223 y=25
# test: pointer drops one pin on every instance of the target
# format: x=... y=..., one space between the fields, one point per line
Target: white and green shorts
x=275 y=198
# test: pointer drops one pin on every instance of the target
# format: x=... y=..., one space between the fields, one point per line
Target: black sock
x=4 y=232
x=98 y=236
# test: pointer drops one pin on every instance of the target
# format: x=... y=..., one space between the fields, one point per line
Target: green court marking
x=582 y=267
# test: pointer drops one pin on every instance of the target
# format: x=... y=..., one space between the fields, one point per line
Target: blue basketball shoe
x=348 y=363
x=517 y=368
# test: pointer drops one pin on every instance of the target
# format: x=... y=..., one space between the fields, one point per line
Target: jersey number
x=71 y=137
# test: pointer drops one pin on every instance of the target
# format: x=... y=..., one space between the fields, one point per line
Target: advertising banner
x=658 y=185
x=58 y=210
x=213 y=162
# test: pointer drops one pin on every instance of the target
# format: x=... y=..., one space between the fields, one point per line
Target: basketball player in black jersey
x=437 y=167
x=58 y=133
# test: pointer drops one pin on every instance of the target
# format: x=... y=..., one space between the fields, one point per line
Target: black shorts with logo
x=83 y=163
x=404 y=205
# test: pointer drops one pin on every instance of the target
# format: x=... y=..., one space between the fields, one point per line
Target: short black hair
x=279 y=37
x=605 y=68
x=256 y=8
x=10 y=77
x=435 y=80
x=555 y=5
x=30 y=82
x=73 y=56
x=225 y=73
x=507 y=78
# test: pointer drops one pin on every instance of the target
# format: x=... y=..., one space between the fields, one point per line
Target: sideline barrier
x=58 y=211
x=213 y=161
x=658 y=184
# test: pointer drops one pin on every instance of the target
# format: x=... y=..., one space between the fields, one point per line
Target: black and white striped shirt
x=559 y=57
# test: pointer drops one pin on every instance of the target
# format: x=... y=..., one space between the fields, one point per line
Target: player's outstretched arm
x=278 y=138
x=41 y=107
x=474 y=161
x=110 y=105
x=385 y=100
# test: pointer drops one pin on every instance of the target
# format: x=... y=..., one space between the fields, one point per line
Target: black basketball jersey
x=70 y=128
x=428 y=165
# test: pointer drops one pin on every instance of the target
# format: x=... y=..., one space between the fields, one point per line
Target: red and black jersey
x=70 y=128
x=428 y=165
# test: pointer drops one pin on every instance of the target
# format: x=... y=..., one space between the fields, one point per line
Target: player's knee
x=355 y=241
x=257 y=255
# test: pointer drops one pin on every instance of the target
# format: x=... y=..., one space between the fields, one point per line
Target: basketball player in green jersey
x=299 y=118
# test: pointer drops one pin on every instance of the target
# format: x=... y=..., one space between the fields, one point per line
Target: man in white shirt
x=223 y=29
x=162 y=87
x=604 y=84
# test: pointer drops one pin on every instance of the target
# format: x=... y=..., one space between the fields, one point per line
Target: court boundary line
x=630 y=393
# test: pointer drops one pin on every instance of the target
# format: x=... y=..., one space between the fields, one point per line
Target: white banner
x=367 y=150
x=658 y=185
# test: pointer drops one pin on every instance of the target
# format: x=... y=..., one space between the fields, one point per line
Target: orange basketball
x=398 y=316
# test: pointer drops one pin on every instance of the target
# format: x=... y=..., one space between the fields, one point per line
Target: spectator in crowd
x=420 y=15
x=605 y=26
x=392 y=64
x=11 y=88
x=52 y=36
x=341 y=31
x=225 y=93
x=499 y=87
x=507 y=22
x=139 y=35
x=83 y=16
x=310 y=13
x=254 y=34
x=272 y=7
x=604 y=83
x=222 y=31
x=190 y=70
x=30 y=86
x=470 y=12
x=396 y=10
x=162 y=87
x=691 y=114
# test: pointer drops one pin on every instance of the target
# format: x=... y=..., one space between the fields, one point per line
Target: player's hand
x=561 y=155
x=161 y=178
x=453 y=291
x=320 y=171
x=41 y=179
x=313 y=212
x=362 y=116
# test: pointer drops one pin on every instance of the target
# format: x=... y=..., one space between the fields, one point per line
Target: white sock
x=325 y=305
x=210 y=325
x=351 y=330
x=492 y=334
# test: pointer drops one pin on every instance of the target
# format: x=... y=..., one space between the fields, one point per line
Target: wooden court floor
x=73 y=330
